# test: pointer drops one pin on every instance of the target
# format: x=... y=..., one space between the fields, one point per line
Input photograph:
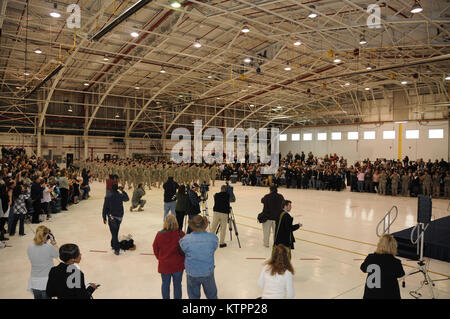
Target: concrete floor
x=338 y=232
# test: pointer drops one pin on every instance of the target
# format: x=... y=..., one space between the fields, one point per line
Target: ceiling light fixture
x=297 y=43
x=197 y=44
x=105 y=59
x=337 y=60
x=86 y=84
x=134 y=34
x=447 y=78
x=287 y=67
x=247 y=60
x=137 y=87
x=70 y=109
x=312 y=15
x=347 y=83
x=245 y=29
x=209 y=77
x=55 y=13
x=404 y=82
x=367 y=89
x=416 y=8
x=362 y=40
x=26 y=73
x=252 y=105
x=175 y=4
x=117 y=115
x=162 y=70
x=37 y=51
x=369 y=67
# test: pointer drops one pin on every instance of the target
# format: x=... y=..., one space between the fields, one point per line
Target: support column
x=86 y=134
x=39 y=142
x=399 y=141
x=163 y=136
x=86 y=147
x=38 y=127
x=127 y=134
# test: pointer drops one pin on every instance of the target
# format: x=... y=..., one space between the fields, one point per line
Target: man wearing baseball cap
x=199 y=248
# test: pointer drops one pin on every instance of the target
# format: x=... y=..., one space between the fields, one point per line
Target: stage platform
x=437 y=241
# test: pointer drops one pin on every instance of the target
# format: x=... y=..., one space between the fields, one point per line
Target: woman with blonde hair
x=276 y=277
x=383 y=270
x=170 y=260
x=41 y=256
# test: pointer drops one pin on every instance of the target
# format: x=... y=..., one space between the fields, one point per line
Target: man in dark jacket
x=284 y=228
x=272 y=207
x=113 y=210
x=36 y=196
x=193 y=207
x=170 y=193
x=221 y=211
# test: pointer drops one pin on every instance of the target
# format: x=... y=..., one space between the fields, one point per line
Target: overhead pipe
x=132 y=46
x=125 y=15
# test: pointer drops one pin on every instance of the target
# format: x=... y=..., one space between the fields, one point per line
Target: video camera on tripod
x=230 y=192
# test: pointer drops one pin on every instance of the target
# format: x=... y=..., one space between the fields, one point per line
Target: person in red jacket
x=170 y=261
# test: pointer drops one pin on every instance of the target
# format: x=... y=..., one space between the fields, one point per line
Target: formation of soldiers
x=150 y=173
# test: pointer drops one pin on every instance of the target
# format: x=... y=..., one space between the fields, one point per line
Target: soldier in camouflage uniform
x=214 y=171
x=395 y=179
x=382 y=181
x=436 y=185
x=427 y=180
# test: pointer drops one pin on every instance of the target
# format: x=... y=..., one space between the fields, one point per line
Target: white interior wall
x=379 y=148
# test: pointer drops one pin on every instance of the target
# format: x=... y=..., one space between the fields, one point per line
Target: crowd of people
x=34 y=188
x=31 y=186
x=331 y=172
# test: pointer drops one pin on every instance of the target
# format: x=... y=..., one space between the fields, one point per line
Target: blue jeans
x=360 y=186
x=16 y=218
x=114 y=225
x=170 y=206
x=165 y=288
x=312 y=183
x=39 y=294
x=208 y=283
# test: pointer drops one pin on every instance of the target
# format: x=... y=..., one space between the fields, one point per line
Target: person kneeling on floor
x=136 y=200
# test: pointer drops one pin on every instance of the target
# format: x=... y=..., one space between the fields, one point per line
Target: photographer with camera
x=113 y=210
x=41 y=255
x=193 y=207
x=46 y=197
x=221 y=211
x=170 y=196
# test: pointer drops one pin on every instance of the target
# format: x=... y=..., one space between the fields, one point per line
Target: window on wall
x=295 y=137
x=369 y=135
x=336 y=136
x=321 y=136
x=388 y=135
x=307 y=136
x=352 y=135
x=412 y=134
x=436 y=133
x=283 y=137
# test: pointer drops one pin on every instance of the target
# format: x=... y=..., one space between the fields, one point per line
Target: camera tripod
x=231 y=225
x=423 y=267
